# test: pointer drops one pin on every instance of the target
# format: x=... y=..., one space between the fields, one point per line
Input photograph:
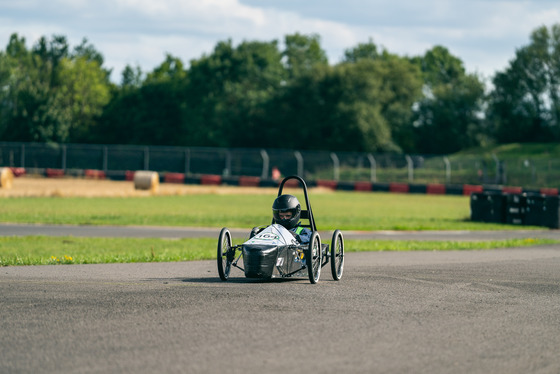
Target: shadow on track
x=205 y=280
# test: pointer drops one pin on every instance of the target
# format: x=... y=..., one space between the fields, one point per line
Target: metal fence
x=314 y=165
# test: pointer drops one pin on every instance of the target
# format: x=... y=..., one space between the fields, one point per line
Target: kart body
x=274 y=252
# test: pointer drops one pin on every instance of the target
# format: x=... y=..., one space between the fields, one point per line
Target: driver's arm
x=304 y=236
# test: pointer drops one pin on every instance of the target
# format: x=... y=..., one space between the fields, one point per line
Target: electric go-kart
x=274 y=252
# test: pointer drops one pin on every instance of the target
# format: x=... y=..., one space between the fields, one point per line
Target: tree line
x=258 y=94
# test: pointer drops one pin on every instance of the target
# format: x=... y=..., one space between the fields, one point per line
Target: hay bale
x=6 y=178
x=146 y=180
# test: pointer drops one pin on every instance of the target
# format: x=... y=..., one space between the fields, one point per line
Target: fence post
x=336 y=166
x=299 y=159
x=227 y=170
x=266 y=161
x=23 y=155
x=373 y=168
x=447 y=169
x=64 y=157
x=500 y=170
x=146 y=158
x=105 y=159
x=410 y=168
x=187 y=161
x=527 y=163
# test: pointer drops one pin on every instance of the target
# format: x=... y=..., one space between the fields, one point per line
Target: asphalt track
x=12 y=229
x=493 y=311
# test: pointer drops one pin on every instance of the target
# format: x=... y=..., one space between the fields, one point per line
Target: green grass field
x=342 y=210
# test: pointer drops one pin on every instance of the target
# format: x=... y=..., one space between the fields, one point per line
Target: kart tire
x=314 y=258
x=254 y=231
x=225 y=255
x=337 y=255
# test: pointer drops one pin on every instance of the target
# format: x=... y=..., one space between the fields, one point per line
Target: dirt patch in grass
x=34 y=186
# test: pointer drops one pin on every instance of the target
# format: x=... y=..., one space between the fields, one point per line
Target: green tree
x=357 y=122
x=362 y=51
x=449 y=116
x=82 y=95
x=148 y=112
x=524 y=105
x=131 y=77
x=88 y=52
x=400 y=85
x=50 y=95
x=50 y=54
x=227 y=91
x=171 y=69
x=28 y=110
x=303 y=53
x=352 y=106
x=13 y=64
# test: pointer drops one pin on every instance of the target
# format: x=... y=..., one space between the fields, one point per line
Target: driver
x=286 y=211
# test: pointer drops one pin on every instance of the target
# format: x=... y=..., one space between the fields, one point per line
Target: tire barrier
x=54 y=173
x=212 y=180
x=542 y=210
x=435 y=189
x=469 y=189
x=331 y=185
x=6 y=178
x=94 y=174
x=516 y=209
x=146 y=180
x=399 y=187
x=549 y=191
x=174 y=178
x=343 y=186
x=512 y=190
x=129 y=175
x=488 y=207
x=417 y=188
x=362 y=186
x=18 y=172
x=249 y=181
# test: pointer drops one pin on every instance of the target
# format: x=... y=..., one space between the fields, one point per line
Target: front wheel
x=337 y=255
x=314 y=258
x=225 y=255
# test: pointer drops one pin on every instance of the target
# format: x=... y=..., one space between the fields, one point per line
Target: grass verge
x=44 y=250
x=332 y=210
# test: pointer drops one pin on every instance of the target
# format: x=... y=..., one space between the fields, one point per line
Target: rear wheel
x=337 y=255
x=314 y=258
x=254 y=231
x=225 y=254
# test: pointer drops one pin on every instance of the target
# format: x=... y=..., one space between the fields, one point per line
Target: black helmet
x=283 y=204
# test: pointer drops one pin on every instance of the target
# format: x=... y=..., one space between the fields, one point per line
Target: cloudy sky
x=483 y=33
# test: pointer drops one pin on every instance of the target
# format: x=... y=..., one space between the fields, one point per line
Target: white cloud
x=483 y=33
